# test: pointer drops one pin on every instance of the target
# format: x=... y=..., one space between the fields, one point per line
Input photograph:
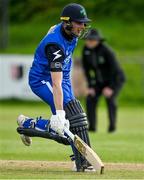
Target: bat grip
x=69 y=133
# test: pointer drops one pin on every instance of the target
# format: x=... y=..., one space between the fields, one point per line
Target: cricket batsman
x=49 y=79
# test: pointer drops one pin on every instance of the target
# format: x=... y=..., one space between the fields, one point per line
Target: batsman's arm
x=57 y=89
x=55 y=55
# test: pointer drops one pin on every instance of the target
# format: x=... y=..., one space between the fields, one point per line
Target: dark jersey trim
x=55 y=55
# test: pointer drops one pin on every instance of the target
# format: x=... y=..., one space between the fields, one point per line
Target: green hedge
x=128 y=10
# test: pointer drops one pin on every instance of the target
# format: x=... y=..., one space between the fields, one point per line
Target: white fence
x=14 y=77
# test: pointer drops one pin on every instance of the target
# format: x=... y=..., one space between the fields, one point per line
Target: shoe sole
x=26 y=140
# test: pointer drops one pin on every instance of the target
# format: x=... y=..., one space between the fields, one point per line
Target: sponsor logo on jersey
x=101 y=60
x=57 y=55
x=67 y=60
x=58 y=65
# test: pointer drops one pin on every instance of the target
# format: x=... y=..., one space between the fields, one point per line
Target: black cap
x=74 y=12
x=94 y=34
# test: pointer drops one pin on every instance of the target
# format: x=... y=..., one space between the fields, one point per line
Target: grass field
x=122 y=152
x=24 y=37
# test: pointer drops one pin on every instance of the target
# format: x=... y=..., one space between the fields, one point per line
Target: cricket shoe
x=20 y=121
x=85 y=169
x=89 y=169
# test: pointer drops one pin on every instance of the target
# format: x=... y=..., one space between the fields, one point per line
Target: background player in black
x=104 y=77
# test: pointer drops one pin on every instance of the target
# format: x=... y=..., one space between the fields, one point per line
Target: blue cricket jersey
x=40 y=71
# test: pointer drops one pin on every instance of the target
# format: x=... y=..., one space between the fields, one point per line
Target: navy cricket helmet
x=74 y=12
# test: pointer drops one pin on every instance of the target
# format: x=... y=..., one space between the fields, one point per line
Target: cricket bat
x=86 y=151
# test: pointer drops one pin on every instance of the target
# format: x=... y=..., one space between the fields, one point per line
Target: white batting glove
x=58 y=122
x=67 y=124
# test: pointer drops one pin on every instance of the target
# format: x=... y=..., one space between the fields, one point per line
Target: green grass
x=60 y=174
x=125 y=37
x=124 y=146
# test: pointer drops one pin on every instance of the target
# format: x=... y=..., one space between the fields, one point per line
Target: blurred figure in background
x=79 y=82
x=104 y=77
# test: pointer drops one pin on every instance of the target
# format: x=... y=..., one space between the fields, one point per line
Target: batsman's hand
x=91 y=92
x=107 y=92
x=58 y=122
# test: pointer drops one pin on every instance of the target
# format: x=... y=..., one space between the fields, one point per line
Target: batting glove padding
x=58 y=122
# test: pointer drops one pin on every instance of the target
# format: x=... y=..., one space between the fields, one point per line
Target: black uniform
x=102 y=70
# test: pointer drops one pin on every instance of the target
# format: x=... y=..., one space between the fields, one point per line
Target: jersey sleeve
x=55 y=56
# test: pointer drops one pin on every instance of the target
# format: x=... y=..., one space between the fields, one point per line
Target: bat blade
x=89 y=154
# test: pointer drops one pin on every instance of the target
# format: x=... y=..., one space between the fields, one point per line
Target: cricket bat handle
x=69 y=133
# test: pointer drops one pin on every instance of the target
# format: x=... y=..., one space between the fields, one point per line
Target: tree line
x=24 y=10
